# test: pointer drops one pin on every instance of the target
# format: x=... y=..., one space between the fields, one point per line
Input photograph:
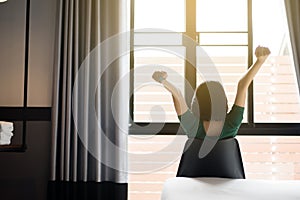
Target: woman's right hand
x=262 y=53
x=159 y=76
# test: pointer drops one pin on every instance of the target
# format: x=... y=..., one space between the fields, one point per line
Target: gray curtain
x=91 y=93
x=293 y=17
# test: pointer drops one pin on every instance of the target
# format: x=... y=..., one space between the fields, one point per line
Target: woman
x=210 y=99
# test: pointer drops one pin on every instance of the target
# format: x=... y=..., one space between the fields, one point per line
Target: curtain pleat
x=85 y=146
x=63 y=84
x=69 y=93
x=75 y=90
x=293 y=18
x=55 y=95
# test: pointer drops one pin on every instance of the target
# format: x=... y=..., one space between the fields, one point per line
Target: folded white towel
x=5 y=138
x=3 y=142
x=6 y=126
x=6 y=133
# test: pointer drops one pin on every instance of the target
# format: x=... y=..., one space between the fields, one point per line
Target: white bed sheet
x=180 y=188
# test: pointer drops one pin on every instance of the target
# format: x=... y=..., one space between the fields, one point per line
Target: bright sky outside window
x=220 y=15
x=160 y=14
x=276 y=94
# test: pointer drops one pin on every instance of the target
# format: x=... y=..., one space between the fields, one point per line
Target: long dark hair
x=210 y=102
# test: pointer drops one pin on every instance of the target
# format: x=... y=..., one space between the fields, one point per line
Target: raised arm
x=261 y=54
x=178 y=99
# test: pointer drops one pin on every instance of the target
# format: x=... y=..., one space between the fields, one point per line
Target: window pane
x=271 y=157
x=275 y=87
x=227 y=63
x=223 y=38
x=158 y=15
x=157 y=39
x=149 y=185
x=152 y=102
x=220 y=15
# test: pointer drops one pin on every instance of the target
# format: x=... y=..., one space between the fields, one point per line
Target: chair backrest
x=224 y=160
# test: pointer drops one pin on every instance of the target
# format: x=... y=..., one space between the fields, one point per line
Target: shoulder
x=235 y=116
x=187 y=114
x=236 y=109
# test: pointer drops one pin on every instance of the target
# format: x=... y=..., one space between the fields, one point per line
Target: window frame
x=249 y=128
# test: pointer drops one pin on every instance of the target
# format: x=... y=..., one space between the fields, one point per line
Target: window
x=224 y=43
x=228 y=34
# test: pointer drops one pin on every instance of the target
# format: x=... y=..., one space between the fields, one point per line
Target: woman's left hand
x=159 y=76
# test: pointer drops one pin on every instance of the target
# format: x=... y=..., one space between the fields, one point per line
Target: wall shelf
x=20 y=116
x=12 y=148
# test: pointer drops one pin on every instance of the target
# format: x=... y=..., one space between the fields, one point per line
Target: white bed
x=180 y=188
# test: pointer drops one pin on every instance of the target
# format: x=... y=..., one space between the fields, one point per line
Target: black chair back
x=223 y=161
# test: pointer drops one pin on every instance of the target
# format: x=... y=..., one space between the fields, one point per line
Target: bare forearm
x=246 y=80
x=244 y=83
x=261 y=54
x=178 y=99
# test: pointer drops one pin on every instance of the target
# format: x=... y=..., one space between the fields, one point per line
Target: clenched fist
x=159 y=76
x=262 y=53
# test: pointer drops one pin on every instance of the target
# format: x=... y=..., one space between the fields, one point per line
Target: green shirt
x=194 y=128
